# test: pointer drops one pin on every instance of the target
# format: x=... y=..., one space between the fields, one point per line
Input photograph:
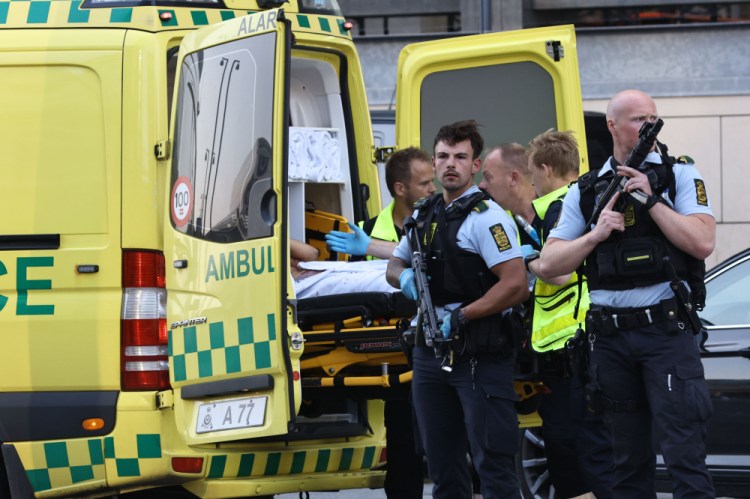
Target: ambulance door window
x=513 y=102
x=223 y=140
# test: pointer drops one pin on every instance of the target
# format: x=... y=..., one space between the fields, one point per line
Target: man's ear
x=399 y=189
x=611 y=126
x=513 y=177
x=476 y=165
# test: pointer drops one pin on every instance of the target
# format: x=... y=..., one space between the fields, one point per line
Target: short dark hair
x=458 y=132
x=558 y=150
x=398 y=166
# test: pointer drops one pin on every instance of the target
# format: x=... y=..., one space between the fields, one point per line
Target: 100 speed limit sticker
x=182 y=201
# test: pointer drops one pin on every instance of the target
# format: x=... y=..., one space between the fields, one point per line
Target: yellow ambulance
x=156 y=158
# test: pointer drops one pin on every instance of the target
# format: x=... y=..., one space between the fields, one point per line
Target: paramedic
x=576 y=443
x=409 y=177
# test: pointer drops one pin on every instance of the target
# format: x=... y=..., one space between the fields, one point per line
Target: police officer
x=409 y=177
x=475 y=273
x=643 y=355
x=576 y=443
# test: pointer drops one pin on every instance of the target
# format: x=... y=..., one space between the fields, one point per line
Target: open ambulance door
x=516 y=84
x=225 y=234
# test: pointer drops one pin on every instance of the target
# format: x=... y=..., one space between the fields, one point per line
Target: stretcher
x=319 y=223
x=357 y=340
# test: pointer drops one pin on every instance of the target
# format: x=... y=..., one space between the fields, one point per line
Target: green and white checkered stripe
x=68 y=13
x=130 y=453
x=291 y=463
x=51 y=465
x=66 y=463
x=218 y=348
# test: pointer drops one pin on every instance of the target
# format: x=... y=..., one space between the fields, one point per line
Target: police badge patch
x=700 y=192
x=501 y=238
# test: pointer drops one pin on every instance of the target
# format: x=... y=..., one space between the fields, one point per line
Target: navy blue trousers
x=650 y=375
x=472 y=407
x=577 y=444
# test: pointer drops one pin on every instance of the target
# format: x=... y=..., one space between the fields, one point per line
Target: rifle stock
x=646 y=139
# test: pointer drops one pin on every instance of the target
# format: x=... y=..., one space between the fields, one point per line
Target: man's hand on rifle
x=609 y=220
x=451 y=323
x=637 y=181
x=408 y=286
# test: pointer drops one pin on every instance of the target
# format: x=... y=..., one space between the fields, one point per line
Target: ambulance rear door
x=515 y=84
x=225 y=233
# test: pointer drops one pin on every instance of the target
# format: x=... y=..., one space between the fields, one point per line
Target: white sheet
x=343 y=277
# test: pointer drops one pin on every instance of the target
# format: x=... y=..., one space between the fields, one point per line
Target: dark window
x=513 y=102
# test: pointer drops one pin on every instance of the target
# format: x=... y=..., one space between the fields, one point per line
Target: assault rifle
x=427 y=316
x=646 y=139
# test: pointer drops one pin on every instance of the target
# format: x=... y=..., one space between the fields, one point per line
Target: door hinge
x=381 y=154
x=162 y=149
x=555 y=50
x=165 y=399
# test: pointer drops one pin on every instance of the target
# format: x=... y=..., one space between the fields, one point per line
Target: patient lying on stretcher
x=314 y=278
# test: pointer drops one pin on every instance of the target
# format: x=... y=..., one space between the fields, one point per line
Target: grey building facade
x=693 y=57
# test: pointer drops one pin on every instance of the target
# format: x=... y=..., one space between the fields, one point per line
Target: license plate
x=231 y=414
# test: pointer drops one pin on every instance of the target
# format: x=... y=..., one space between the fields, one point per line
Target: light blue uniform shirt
x=571 y=225
x=477 y=234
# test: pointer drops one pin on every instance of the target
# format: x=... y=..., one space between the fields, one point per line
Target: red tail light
x=144 y=363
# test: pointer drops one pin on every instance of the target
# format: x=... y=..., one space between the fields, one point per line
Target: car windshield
x=727 y=296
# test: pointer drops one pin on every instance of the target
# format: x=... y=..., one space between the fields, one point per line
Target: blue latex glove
x=408 y=286
x=345 y=242
x=445 y=327
x=528 y=250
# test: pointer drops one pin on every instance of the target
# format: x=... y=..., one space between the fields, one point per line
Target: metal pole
x=486 y=20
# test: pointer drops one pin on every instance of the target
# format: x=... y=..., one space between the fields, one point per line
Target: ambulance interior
x=350 y=340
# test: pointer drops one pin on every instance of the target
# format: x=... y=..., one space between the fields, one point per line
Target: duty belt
x=606 y=319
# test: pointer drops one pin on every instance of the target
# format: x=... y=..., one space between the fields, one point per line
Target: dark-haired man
x=471 y=246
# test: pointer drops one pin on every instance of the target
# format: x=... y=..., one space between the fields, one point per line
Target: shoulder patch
x=501 y=237
x=481 y=206
x=700 y=192
x=685 y=159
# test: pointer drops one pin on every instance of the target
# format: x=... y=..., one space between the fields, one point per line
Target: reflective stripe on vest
x=553 y=321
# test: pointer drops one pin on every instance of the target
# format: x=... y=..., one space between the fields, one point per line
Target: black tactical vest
x=456 y=275
x=638 y=256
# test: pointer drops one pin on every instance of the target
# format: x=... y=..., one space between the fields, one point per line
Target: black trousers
x=649 y=375
x=471 y=407
x=577 y=444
